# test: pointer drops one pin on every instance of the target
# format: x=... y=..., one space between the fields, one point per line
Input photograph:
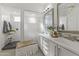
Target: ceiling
x=35 y=7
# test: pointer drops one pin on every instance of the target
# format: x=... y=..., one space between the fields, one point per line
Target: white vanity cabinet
x=65 y=52
x=40 y=42
x=48 y=48
x=45 y=46
x=53 y=49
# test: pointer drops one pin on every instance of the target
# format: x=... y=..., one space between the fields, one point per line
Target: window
x=17 y=19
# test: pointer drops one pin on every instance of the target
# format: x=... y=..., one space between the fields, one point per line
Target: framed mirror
x=48 y=19
x=68 y=16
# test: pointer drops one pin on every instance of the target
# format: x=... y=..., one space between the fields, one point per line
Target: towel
x=5 y=27
x=10 y=26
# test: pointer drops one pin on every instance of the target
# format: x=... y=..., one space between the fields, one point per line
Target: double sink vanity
x=58 y=46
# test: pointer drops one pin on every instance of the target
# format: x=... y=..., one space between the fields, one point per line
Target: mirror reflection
x=48 y=22
x=68 y=17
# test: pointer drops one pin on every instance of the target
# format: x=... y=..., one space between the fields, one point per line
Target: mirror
x=68 y=15
x=48 y=19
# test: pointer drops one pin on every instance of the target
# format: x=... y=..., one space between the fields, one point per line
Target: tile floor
x=11 y=52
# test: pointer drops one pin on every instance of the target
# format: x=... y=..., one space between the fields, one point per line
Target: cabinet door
x=40 y=42
x=53 y=49
x=65 y=52
x=45 y=46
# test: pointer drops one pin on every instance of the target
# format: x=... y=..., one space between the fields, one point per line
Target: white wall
x=73 y=18
x=2 y=36
x=16 y=24
x=9 y=12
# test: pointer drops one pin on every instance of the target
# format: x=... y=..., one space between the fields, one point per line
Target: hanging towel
x=5 y=27
x=10 y=26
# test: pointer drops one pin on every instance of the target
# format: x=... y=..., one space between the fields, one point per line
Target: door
x=32 y=23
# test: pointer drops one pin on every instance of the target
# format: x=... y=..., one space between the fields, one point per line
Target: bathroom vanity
x=58 y=46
